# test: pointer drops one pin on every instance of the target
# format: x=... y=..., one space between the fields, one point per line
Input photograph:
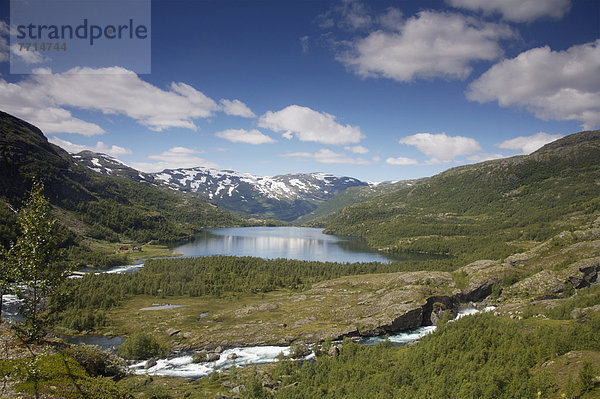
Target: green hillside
x=351 y=196
x=486 y=210
x=89 y=204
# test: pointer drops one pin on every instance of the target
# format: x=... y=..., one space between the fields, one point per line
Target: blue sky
x=379 y=90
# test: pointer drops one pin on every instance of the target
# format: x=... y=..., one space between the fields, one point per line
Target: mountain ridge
x=283 y=197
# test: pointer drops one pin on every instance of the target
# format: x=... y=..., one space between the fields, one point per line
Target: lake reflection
x=302 y=243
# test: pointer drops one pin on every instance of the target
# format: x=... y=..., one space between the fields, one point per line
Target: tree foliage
x=33 y=262
x=479 y=356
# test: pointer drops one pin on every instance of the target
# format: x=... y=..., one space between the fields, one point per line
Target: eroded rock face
x=588 y=273
x=411 y=319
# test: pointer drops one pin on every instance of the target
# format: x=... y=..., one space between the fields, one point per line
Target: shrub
x=141 y=346
x=98 y=362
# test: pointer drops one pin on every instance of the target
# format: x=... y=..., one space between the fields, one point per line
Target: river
x=182 y=366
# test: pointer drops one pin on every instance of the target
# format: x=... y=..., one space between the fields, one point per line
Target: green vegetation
x=31 y=264
x=350 y=196
x=215 y=276
x=59 y=375
x=484 y=211
x=141 y=346
x=480 y=356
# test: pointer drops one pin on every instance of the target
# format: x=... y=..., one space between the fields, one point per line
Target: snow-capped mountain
x=284 y=197
x=108 y=165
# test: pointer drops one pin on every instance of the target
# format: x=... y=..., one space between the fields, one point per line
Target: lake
x=302 y=243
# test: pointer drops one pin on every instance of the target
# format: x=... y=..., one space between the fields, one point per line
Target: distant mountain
x=486 y=210
x=99 y=205
x=284 y=197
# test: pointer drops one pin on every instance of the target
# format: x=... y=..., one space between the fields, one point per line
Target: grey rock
x=172 y=331
x=150 y=363
x=212 y=357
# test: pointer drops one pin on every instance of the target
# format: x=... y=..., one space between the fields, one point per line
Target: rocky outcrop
x=549 y=284
x=588 y=273
x=410 y=319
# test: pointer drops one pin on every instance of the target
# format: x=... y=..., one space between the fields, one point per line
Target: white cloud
x=28 y=57
x=401 y=161
x=326 y=156
x=517 y=10
x=244 y=136
x=237 y=108
x=27 y=101
x=441 y=147
x=304 y=44
x=41 y=98
x=429 y=45
x=174 y=158
x=309 y=125
x=528 y=144
x=392 y=19
x=357 y=149
x=560 y=85
x=100 y=147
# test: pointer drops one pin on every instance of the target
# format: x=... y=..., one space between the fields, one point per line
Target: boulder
x=212 y=357
x=150 y=363
x=172 y=331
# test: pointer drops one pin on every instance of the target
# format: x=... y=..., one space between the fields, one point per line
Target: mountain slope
x=110 y=207
x=107 y=165
x=350 y=196
x=283 y=197
x=485 y=210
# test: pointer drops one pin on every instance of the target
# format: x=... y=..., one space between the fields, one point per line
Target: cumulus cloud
x=174 y=158
x=429 y=45
x=529 y=144
x=401 y=161
x=517 y=10
x=41 y=98
x=440 y=147
x=245 y=136
x=237 y=108
x=326 y=156
x=26 y=101
x=310 y=125
x=357 y=149
x=100 y=147
x=560 y=85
